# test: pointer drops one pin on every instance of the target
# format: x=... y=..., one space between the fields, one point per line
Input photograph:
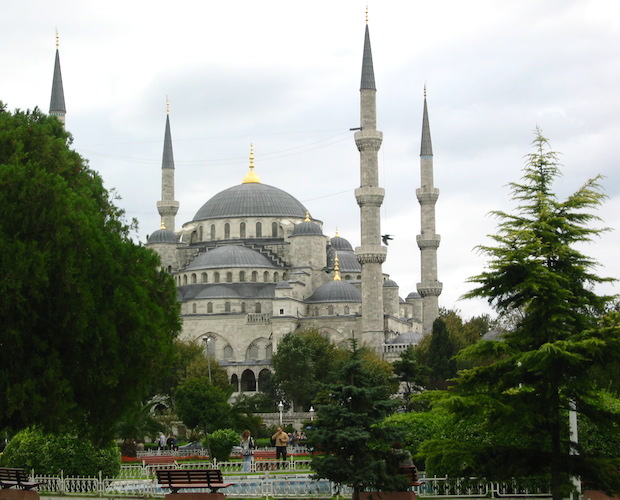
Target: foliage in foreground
x=51 y=453
x=542 y=369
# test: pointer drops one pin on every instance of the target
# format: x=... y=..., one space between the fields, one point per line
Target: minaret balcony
x=432 y=289
x=368 y=196
x=426 y=241
x=427 y=195
x=166 y=207
x=368 y=140
x=371 y=254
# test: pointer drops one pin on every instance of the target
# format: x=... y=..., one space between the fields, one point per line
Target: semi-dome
x=341 y=244
x=390 y=283
x=230 y=256
x=307 y=228
x=162 y=236
x=407 y=338
x=251 y=200
x=347 y=260
x=336 y=291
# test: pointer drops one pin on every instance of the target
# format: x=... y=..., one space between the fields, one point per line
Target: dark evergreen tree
x=355 y=450
x=88 y=318
x=440 y=353
x=410 y=372
x=542 y=366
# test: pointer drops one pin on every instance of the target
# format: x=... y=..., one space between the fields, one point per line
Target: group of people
x=280 y=439
x=169 y=443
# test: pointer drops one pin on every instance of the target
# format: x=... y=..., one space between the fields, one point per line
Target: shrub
x=51 y=453
x=222 y=442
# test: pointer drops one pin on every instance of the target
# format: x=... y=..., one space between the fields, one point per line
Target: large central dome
x=251 y=200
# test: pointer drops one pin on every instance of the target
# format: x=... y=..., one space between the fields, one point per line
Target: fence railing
x=290 y=483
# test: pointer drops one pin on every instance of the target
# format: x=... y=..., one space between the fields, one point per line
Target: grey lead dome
x=230 y=256
x=251 y=200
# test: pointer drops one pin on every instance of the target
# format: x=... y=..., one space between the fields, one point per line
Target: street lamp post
x=280 y=409
x=311 y=413
x=207 y=341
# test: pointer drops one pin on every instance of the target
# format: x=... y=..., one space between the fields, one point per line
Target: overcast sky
x=285 y=75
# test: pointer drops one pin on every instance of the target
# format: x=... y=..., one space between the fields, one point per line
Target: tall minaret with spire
x=428 y=241
x=371 y=254
x=167 y=206
x=57 y=102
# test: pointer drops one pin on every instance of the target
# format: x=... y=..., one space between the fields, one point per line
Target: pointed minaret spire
x=371 y=254
x=57 y=101
x=167 y=206
x=428 y=242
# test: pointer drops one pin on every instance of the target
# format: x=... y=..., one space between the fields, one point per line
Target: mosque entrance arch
x=248 y=381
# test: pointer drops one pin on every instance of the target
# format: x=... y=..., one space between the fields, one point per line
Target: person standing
x=247 y=449
x=281 y=440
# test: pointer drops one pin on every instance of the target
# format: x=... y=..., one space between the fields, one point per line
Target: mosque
x=253 y=264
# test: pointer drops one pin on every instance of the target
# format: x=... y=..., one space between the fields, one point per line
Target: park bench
x=177 y=479
x=151 y=462
x=411 y=472
x=17 y=478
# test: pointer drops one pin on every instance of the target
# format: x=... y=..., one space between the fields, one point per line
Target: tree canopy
x=541 y=369
x=88 y=318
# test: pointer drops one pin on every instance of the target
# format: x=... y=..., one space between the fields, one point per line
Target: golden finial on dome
x=337 y=234
x=336 y=269
x=163 y=225
x=251 y=176
x=307 y=219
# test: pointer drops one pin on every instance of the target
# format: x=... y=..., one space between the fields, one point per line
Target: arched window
x=257 y=307
x=169 y=269
x=274 y=229
x=330 y=310
x=248 y=381
x=316 y=311
x=228 y=352
x=227 y=307
x=347 y=277
x=259 y=230
x=242 y=307
x=234 y=381
x=254 y=276
x=194 y=237
x=265 y=277
x=228 y=277
x=242 y=276
x=227 y=230
x=205 y=278
x=276 y=277
x=194 y=308
x=193 y=278
x=209 y=307
x=264 y=379
x=212 y=231
x=216 y=277
x=269 y=351
x=253 y=351
x=185 y=279
x=242 y=230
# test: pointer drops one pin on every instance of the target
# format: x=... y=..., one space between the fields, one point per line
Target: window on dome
x=259 y=230
x=193 y=278
x=315 y=311
x=205 y=278
x=185 y=279
x=254 y=276
x=227 y=230
x=276 y=277
x=265 y=277
x=199 y=233
x=257 y=307
x=347 y=277
x=216 y=277
x=194 y=308
x=212 y=231
x=227 y=307
x=209 y=307
x=194 y=237
x=242 y=276
x=242 y=307
x=242 y=230
x=228 y=277
x=274 y=229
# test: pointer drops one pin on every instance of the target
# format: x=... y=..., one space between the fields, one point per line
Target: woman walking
x=247 y=449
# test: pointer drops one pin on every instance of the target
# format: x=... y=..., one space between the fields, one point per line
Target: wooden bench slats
x=177 y=479
x=13 y=477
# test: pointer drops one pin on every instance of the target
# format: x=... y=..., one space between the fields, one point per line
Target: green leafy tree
x=83 y=309
x=355 y=450
x=543 y=365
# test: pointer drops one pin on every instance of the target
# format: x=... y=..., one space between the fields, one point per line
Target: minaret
x=428 y=242
x=57 y=102
x=167 y=207
x=371 y=254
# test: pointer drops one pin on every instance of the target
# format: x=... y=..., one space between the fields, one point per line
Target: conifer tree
x=542 y=367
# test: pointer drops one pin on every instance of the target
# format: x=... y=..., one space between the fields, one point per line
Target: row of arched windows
x=228 y=307
x=260 y=230
x=228 y=277
x=330 y=310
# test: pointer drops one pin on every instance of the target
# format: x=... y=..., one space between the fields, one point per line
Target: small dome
x=347 y=261
x=493 y=335
x=218 y=292
x=336 y=291
x=414 y=295
x=340 y=244
x=251 y=199
x=229 y=256
x=162 y=236
x=407 y=338
x=390 y=283
x=307 y=228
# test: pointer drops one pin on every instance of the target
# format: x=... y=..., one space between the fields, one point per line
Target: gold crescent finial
x=336 y=269
x=163 y=225
x=167 y=105
x=337 y=234
x=251 y=177
x=307 y=219
x=57 y=39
